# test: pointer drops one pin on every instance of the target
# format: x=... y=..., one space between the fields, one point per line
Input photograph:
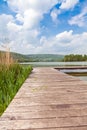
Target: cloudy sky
x=44 y=26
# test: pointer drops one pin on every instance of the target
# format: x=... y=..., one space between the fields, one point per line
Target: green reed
x=11 y=79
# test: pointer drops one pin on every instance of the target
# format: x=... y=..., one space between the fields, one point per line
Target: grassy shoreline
x=11 y=79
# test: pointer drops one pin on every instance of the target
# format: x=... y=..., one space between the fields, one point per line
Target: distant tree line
x=76 y=57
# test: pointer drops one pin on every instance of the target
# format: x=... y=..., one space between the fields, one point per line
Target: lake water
x=57 y=64
x=49 y=64
x=74 y=70
x=80 y=73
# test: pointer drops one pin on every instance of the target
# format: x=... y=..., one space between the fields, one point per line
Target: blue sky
x=44 y=26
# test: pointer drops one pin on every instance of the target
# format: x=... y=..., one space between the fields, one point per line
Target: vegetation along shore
x=12 y=76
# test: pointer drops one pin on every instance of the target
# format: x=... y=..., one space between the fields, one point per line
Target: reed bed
x=12 y=76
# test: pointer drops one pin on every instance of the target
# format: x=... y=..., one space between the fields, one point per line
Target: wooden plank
x=43 y=123
x=38 y=108
x=58 y=113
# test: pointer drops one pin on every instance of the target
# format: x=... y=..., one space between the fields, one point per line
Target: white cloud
x=80 y=19
x=68 y=4
x=40 y=5
x=65 y=5
x=13 y=27
x=64 y=43
x=30 y=12
x=20 y=18
x=65 y=37
x=4 y=20
x=54 y=15
x=16 y=34
x=31 y=18
x=26 y=41
x=24 y=29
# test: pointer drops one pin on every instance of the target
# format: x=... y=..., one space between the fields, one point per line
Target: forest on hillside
x=73 y=57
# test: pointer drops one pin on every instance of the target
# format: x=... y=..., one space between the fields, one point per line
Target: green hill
x=45 y=57
x=36 y=57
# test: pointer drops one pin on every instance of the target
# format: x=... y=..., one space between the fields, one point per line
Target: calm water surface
x=57 y=64
x=37 y=64
x=80 y=72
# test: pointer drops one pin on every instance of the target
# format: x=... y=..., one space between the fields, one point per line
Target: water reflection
x=80 y=73
x=74 y=70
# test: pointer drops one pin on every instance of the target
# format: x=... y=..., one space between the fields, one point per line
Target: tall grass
x=12 y=75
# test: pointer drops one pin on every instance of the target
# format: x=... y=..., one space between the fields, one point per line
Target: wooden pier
x=48 y=100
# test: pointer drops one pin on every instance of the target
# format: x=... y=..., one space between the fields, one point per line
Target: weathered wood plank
x=60 y=113
x=66 y=107
x=44 y=123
